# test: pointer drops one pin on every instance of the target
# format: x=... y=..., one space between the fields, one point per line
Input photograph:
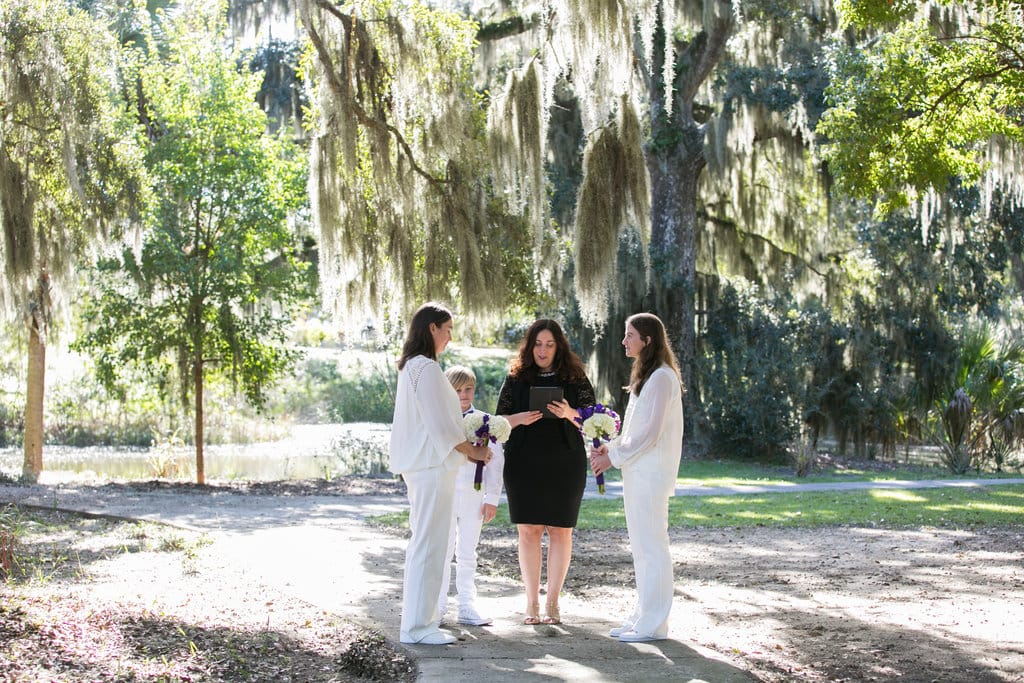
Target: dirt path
x=839 y=604
x=831 y=604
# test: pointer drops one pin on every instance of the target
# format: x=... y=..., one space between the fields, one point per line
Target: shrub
x=752 y=373
x=364 y=393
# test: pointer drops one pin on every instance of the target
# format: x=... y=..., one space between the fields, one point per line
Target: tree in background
x=936 y=93
x=70 y=171
x=641 y=75
x=216 y=280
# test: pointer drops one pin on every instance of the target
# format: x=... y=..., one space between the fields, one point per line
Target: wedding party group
x=547 y=428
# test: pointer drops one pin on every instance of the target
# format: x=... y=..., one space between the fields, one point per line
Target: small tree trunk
x=197 y=377
x=33 y=465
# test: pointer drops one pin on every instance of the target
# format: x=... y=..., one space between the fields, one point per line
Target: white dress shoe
x=436 y=638
x=473 y=618
x=634 y=637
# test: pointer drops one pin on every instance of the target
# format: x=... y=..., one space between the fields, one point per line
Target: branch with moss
x=354 y=27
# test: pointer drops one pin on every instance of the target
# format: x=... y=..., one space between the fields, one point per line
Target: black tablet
x=540 y=397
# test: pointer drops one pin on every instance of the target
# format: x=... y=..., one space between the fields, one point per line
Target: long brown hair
x=655 y=353
x=419 y=341
x=567 y=365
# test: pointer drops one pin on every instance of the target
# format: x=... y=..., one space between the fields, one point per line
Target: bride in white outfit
x=428 y=445
x=648 y=452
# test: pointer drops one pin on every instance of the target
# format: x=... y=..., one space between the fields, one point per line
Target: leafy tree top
x=930 y=92
x=70 y=158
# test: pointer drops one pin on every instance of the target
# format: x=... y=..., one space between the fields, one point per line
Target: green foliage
x=281 y=93
x=217 y=279
x=981 y=417
x=363 y=393
x=916 y=105
x=404 y=201
x=71 y=175
x=490 y=374
x=752 y=372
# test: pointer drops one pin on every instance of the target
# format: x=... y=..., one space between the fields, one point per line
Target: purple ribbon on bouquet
x=600 y=434
x=483 y=435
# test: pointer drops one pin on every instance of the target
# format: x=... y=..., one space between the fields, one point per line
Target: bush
x=752 y=373
x=365 y=393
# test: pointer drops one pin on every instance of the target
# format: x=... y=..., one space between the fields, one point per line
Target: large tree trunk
x=33 y=465
x=674 y=259
x=676 y=158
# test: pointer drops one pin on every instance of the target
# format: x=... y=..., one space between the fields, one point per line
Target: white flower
x=497 y=428
x=599 y=426
x=500 y=428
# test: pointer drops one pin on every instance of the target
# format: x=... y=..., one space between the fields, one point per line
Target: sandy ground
x=828 y=604
x=839 y=604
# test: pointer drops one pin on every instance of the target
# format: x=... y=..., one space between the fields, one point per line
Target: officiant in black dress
x=545 y=459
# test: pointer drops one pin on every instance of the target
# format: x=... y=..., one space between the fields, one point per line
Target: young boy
x=472 y=510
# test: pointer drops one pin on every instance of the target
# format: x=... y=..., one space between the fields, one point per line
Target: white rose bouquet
x=599 y=423
x=479 y=429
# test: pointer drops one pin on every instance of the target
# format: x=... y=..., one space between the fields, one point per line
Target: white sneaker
x=619 y=630
x=471 y=617
x=634 y=637
x=436 y=638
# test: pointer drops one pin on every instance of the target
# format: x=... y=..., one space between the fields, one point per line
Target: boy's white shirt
x=493 y=472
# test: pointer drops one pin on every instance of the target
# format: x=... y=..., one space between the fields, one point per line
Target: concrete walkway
x=320 y=550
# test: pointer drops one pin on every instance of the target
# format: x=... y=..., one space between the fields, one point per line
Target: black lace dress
x=546 y=462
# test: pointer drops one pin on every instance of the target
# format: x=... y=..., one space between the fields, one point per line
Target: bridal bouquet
x=481 y=428
x=599 y=423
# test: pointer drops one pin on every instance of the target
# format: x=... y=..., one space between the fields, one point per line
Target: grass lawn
x=728 y=473
x=886 y=508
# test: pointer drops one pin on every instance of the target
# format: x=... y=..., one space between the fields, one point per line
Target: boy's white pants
x=645 y=498
x=462 y=542
x=431 y=493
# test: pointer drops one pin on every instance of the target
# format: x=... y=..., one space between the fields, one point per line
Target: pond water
x=309 y=452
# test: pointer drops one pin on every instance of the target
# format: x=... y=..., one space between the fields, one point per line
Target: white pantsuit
x=648 y=452
x=466 y=526
x=426 y=429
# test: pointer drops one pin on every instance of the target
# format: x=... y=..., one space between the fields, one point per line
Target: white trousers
x=645 y=498
x=462 y=542
x=431 y=493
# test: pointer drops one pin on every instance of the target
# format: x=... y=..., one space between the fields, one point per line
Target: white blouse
x=651 y=442
x=428 y=419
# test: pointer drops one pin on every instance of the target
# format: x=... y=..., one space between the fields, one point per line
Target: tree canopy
x=926 y=92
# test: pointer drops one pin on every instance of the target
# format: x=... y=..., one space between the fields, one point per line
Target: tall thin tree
x=70 y=172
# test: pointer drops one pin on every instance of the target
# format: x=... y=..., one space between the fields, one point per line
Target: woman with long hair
x=545 y=460
x=428 y=444
x=648 y=452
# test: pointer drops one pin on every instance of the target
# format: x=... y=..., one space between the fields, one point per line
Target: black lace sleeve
x=505 y=398
x=585 y=393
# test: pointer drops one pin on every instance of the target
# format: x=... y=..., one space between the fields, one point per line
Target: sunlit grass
x=715 y=473
x=888 y=508
x=730 y=473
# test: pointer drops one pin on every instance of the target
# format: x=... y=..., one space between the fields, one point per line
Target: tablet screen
x=540 y=397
